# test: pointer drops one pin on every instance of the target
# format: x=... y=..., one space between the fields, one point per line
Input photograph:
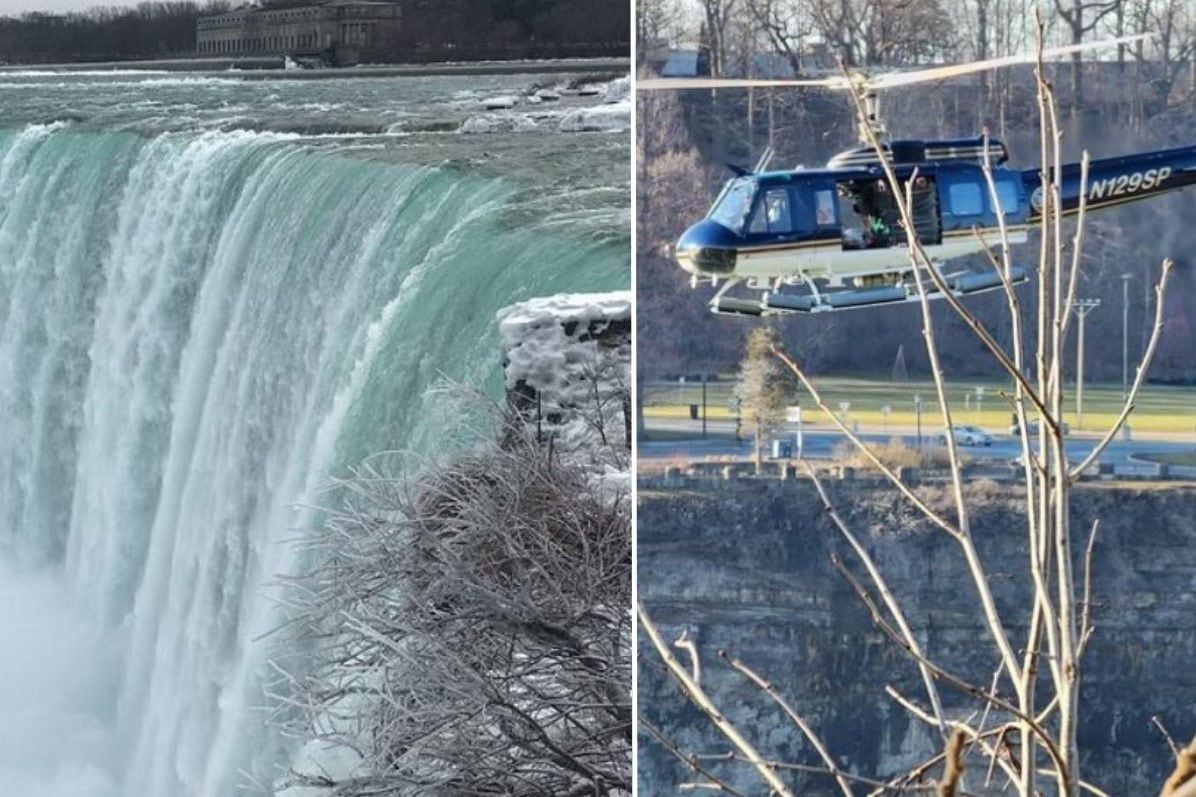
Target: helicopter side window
x=773 y=213
x=966 y=199
x=824 y=208
x=1009 y=195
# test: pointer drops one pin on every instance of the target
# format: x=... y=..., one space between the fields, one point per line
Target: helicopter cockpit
x=732 y=206
x=773 y=207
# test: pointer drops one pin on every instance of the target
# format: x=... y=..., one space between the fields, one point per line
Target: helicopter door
x=874 y=221
x=869 y=219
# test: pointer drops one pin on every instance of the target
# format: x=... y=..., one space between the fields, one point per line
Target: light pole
x=1083 y=308
x=801 y=439
x=703 y=406
x=1125 y=336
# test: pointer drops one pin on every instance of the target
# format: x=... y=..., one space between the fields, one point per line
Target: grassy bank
x=1160 y=408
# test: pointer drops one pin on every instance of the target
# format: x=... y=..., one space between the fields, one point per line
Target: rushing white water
x=197 y=329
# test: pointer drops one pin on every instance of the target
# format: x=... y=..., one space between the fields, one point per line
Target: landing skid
x=962 y=284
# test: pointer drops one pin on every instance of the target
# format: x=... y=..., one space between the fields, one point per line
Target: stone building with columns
x=339 y=32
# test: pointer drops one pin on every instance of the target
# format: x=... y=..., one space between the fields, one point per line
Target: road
x=821 y=443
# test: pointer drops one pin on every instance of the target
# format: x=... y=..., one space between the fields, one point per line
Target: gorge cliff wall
x=745 y=567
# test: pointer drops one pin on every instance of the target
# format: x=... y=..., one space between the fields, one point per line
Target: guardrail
x=733 y=470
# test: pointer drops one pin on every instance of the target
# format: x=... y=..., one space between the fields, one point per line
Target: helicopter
x=837 y=230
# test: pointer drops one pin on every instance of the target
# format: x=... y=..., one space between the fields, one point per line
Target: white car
x=968 y=436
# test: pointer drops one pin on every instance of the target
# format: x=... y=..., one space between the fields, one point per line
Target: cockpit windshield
x=732 y=207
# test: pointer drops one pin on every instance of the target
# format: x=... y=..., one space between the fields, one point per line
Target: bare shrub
x=894 y=454
x=468 y=629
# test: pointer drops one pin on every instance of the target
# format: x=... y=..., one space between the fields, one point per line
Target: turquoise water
x=199 y=326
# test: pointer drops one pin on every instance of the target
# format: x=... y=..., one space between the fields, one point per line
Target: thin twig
x=950 y=678
x=688 y=760
x=1184 y=774
x=886 y=594
x=703 y=702
x=798 y=720
x=953 y=768
x=1139 y=376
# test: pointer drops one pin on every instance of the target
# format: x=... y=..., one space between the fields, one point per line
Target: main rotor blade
x=893 y=79
x=676 y=84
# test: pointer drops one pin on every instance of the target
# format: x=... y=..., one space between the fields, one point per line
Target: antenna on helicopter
x=871 y=98
x=869 y=85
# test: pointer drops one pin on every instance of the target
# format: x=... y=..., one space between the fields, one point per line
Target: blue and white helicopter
x=836 y=230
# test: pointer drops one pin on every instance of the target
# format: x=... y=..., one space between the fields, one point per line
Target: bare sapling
x=1018 y=732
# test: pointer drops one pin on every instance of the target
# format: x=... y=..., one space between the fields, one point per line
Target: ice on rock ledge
x=568 y=365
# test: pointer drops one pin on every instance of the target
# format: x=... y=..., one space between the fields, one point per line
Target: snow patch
x=615 y=117
x=502 y=123
x=617 y=90
x=572 y=353
x=497 y=103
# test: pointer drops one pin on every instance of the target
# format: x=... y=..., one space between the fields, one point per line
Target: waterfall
x=197 y=331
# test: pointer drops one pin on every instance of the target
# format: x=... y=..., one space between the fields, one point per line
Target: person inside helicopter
x=871 y=229
x=877 y=232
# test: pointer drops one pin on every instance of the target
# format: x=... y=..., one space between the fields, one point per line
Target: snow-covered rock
x=605 y=118
x=617 y=90
x=479 y=124
x=567 y=360
x=504 y=123
x=497 y=103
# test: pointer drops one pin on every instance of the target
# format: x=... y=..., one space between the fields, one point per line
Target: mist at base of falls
x=59 y=672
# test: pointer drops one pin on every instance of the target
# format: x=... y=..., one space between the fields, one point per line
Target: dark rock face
x=745 y=566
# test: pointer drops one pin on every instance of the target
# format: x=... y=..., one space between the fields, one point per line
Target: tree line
x=818 y=33
x=103 y=33
x=460 y=29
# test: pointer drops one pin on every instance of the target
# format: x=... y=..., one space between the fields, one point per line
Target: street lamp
x=1083 y=308
x=801 y=438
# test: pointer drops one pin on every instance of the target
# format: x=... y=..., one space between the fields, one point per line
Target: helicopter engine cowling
x=903 y=152
x=707 y=249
